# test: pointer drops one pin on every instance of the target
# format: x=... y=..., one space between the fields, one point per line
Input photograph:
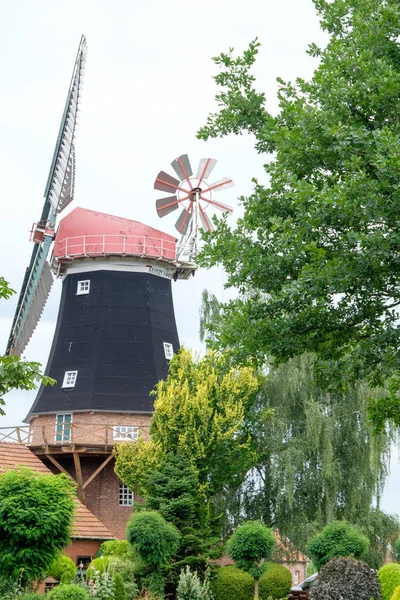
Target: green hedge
x=231 y=583
x=63 y=569
x=70 y=591
x=119 y=548
x=389 y=577
x=275 y=583
x=120 y=592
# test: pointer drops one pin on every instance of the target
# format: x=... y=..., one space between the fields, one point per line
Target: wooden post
x=79 y=479
x=97 y=471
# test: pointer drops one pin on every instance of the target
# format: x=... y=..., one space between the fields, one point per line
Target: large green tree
x=16 y=373
x=317 y=251
x=36 y=512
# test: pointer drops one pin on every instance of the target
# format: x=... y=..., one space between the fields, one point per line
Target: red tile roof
x=86 y=525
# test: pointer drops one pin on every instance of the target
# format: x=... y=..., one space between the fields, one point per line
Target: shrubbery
x=345 y=578
x=8 y=588
x=233 y=583
x=337 y=539
x=191 y=588
x=120 y=592
x=30 y=596
x=63 y=569
x=275 y=582
x=389 y=576
x=396 y=594
x=118 y=548
x=69 y=591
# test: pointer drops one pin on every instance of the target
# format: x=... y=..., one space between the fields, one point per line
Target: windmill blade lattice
x=58 y=194
x=191 y=193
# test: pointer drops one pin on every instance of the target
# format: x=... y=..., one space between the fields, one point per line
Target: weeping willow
x=318 y=458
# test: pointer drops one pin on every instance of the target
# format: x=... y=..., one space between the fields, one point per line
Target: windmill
x=194 y=195
x=115 y=332
x=58 y=194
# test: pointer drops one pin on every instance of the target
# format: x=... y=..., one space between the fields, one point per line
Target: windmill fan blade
x=206 y=166
x=32 y=299
x=205 y=219
x=221 y=184
x=221 y=206
x=183 y=221
x=166 y=205
x=59 y=188
x=166 y=183
x=182 y=167
x=67 y=194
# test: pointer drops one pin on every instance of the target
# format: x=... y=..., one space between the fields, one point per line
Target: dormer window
x=83 y=287
x=69 y=379
x=168 y=350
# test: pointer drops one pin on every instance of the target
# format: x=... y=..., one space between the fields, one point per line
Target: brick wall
x=80 y=548
x=86 y=428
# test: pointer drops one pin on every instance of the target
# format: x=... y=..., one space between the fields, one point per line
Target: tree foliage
x=200 y=412
x=36 y=511
x=62 y=568
x=17 y=374
x=153 y=539
x=337 y=539
x=250 y=546
x=345 y=579
x=316 y=252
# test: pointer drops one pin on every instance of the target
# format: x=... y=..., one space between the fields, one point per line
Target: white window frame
x=296 y=577
x=168 y=350
x=69 y=380
x=125 y=433
x=83 y=287
x=126 y=497
x=64 y=426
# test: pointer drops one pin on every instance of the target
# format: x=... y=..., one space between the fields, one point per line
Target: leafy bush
x=231 y=582
x=63 y=569
x=8 y=588
x=345 y=578
x=396 y=594
x=30 y=596
x=69 y=591
x=118 y=548
x=119 y=591
x=337 y=539
x=275 y=582
x=99 y=565
x=389 y=576
x=191 y=588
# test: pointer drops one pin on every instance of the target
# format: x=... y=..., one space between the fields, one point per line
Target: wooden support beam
x=57 y=464
x=79 y=479
x=97 y=471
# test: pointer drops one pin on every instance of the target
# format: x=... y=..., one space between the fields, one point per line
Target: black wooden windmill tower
x=116 y=330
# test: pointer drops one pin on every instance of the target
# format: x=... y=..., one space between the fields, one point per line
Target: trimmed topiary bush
x=70 y=591
x=345 y=578
x=63 y=569
x=396 y=594
x=275 y=583
x=232 y=583
x=337 y=539
x=119 y=591
x=389 y=577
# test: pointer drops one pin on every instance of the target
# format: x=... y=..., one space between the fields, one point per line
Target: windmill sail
x=58 y=194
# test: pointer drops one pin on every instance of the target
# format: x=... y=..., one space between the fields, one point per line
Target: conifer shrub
x=345 y=578
x=232 y=583
x=275 y=583
x=63 y=569
x=119 y=590
x=389 y=577
x=69 y=591
x=396 y=594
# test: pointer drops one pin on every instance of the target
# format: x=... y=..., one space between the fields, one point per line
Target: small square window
x=126 y=497
x=70 y=379
x=83 y=287
x=168 y=350
x=126 y=433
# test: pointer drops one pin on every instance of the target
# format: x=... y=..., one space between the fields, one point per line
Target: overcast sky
x=148 y=88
